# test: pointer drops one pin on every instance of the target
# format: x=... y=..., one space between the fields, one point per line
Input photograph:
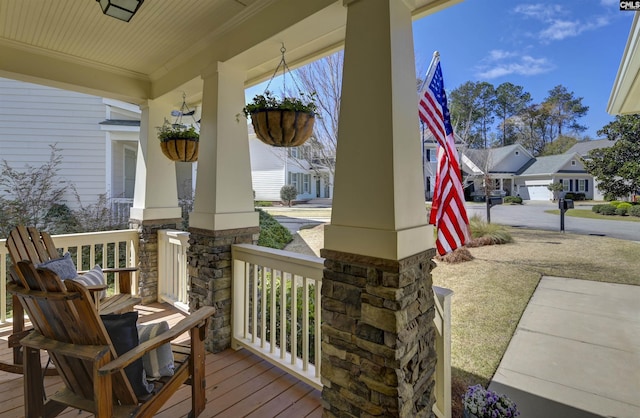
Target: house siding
x=33 y=117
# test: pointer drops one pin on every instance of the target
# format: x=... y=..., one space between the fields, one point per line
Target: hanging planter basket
x=283 y=128
x=282 y=122
x=181 y=149
x=179 y=142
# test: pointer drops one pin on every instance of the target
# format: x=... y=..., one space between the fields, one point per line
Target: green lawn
x=492 y=291
x=584 y=213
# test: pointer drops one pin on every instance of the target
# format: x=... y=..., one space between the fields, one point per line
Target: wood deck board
x=239 y=384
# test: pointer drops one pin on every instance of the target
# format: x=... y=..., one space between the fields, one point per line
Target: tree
x=617 y=169
x=555 y=188
x=28 y=194
x=486 y=104
x=464 y=114
x=559 y=146
x=324 y=77
x=565 y=110
x=288 y=193
x=510 y=101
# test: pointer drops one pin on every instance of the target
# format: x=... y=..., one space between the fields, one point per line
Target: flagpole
x=432 y=66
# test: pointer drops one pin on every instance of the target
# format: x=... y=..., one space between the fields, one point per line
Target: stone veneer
x=147 y=274
x=378 y=336
x=210 y=263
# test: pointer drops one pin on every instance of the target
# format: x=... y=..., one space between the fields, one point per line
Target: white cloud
x=539 y=11
x=561 y=29
x=501 y=63
x=558 y=28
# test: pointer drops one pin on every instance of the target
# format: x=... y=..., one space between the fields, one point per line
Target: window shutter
x=570 y=185
x=586 y=185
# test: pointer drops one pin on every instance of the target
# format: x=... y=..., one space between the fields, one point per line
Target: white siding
x=32 y=117
x=267 y=184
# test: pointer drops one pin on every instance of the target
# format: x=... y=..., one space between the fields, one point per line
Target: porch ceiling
x=167 y=44
x=625 y=94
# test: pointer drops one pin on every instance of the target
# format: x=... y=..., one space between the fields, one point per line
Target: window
x=306 y=183
x=302 y=182
x=293 y=152
x=582 y=185
x=573 y=162
x=565 y=185
x=517 y=153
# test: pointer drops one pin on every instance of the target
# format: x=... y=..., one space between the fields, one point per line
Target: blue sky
x=537 y=45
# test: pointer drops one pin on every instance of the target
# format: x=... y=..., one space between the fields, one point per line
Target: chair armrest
x=196 y=319
x=84 y=352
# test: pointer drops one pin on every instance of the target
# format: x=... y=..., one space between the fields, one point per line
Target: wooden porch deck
x=239 y=384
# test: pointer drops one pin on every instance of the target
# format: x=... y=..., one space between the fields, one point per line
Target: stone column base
x=378 y=336
x=210 y=277
x=147 y=274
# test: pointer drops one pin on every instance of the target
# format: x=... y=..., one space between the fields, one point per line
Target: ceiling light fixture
x=120 y=9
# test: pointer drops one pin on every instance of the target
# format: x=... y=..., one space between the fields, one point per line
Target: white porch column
x=156 y=194
x=378 y=204
x=224 y=198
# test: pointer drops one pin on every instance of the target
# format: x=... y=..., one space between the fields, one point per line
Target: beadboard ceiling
x=168 y=43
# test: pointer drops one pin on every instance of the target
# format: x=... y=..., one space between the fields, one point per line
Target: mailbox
x=493 y=201
x=565 y=204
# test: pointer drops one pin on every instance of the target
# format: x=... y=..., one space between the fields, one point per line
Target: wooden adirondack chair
x=27 y=243
x=68 y=326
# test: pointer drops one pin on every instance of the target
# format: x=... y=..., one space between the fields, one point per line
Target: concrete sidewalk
x=575 y=352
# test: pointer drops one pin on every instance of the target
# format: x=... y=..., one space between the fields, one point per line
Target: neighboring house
x=273 y=167
x=582 y=149
x=512 y=170
x=97 y=138
x=532 y=181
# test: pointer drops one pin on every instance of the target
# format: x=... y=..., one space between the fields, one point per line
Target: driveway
x=532 y=215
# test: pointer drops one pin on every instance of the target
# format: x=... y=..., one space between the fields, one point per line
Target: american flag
x=448 y=213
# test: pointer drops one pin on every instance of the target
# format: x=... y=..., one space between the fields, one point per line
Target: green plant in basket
x=176 y=131
x=267 y=101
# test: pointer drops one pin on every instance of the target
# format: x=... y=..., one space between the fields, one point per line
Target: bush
x=596 y=208
x=513 y=200
x=484 y=233
x=570 y=195
x=623 y=208
x=288 y=193
x=272 y=234
x=580 y=196
x=634 y=211
x=607 y=210
x=263 y=203
x=614 y=203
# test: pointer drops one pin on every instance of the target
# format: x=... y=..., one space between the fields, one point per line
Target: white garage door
x=535 y=192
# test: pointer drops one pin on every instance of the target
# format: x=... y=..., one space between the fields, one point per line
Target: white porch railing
x=276 y=308
x=107 y=248
x=442 y=320
x=173 y=276
x=253 y=270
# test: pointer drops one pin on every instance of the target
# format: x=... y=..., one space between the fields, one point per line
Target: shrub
x=570 y=195
x=608 y=210
x=272 y=234
x=513 y=200
x=623 y=208
x=459 y=255
x=614 y=203
x=634 y=211
x=596 y=208
x=580 y=196
x=495 y=234
x=263 y=203
x=288 y=193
